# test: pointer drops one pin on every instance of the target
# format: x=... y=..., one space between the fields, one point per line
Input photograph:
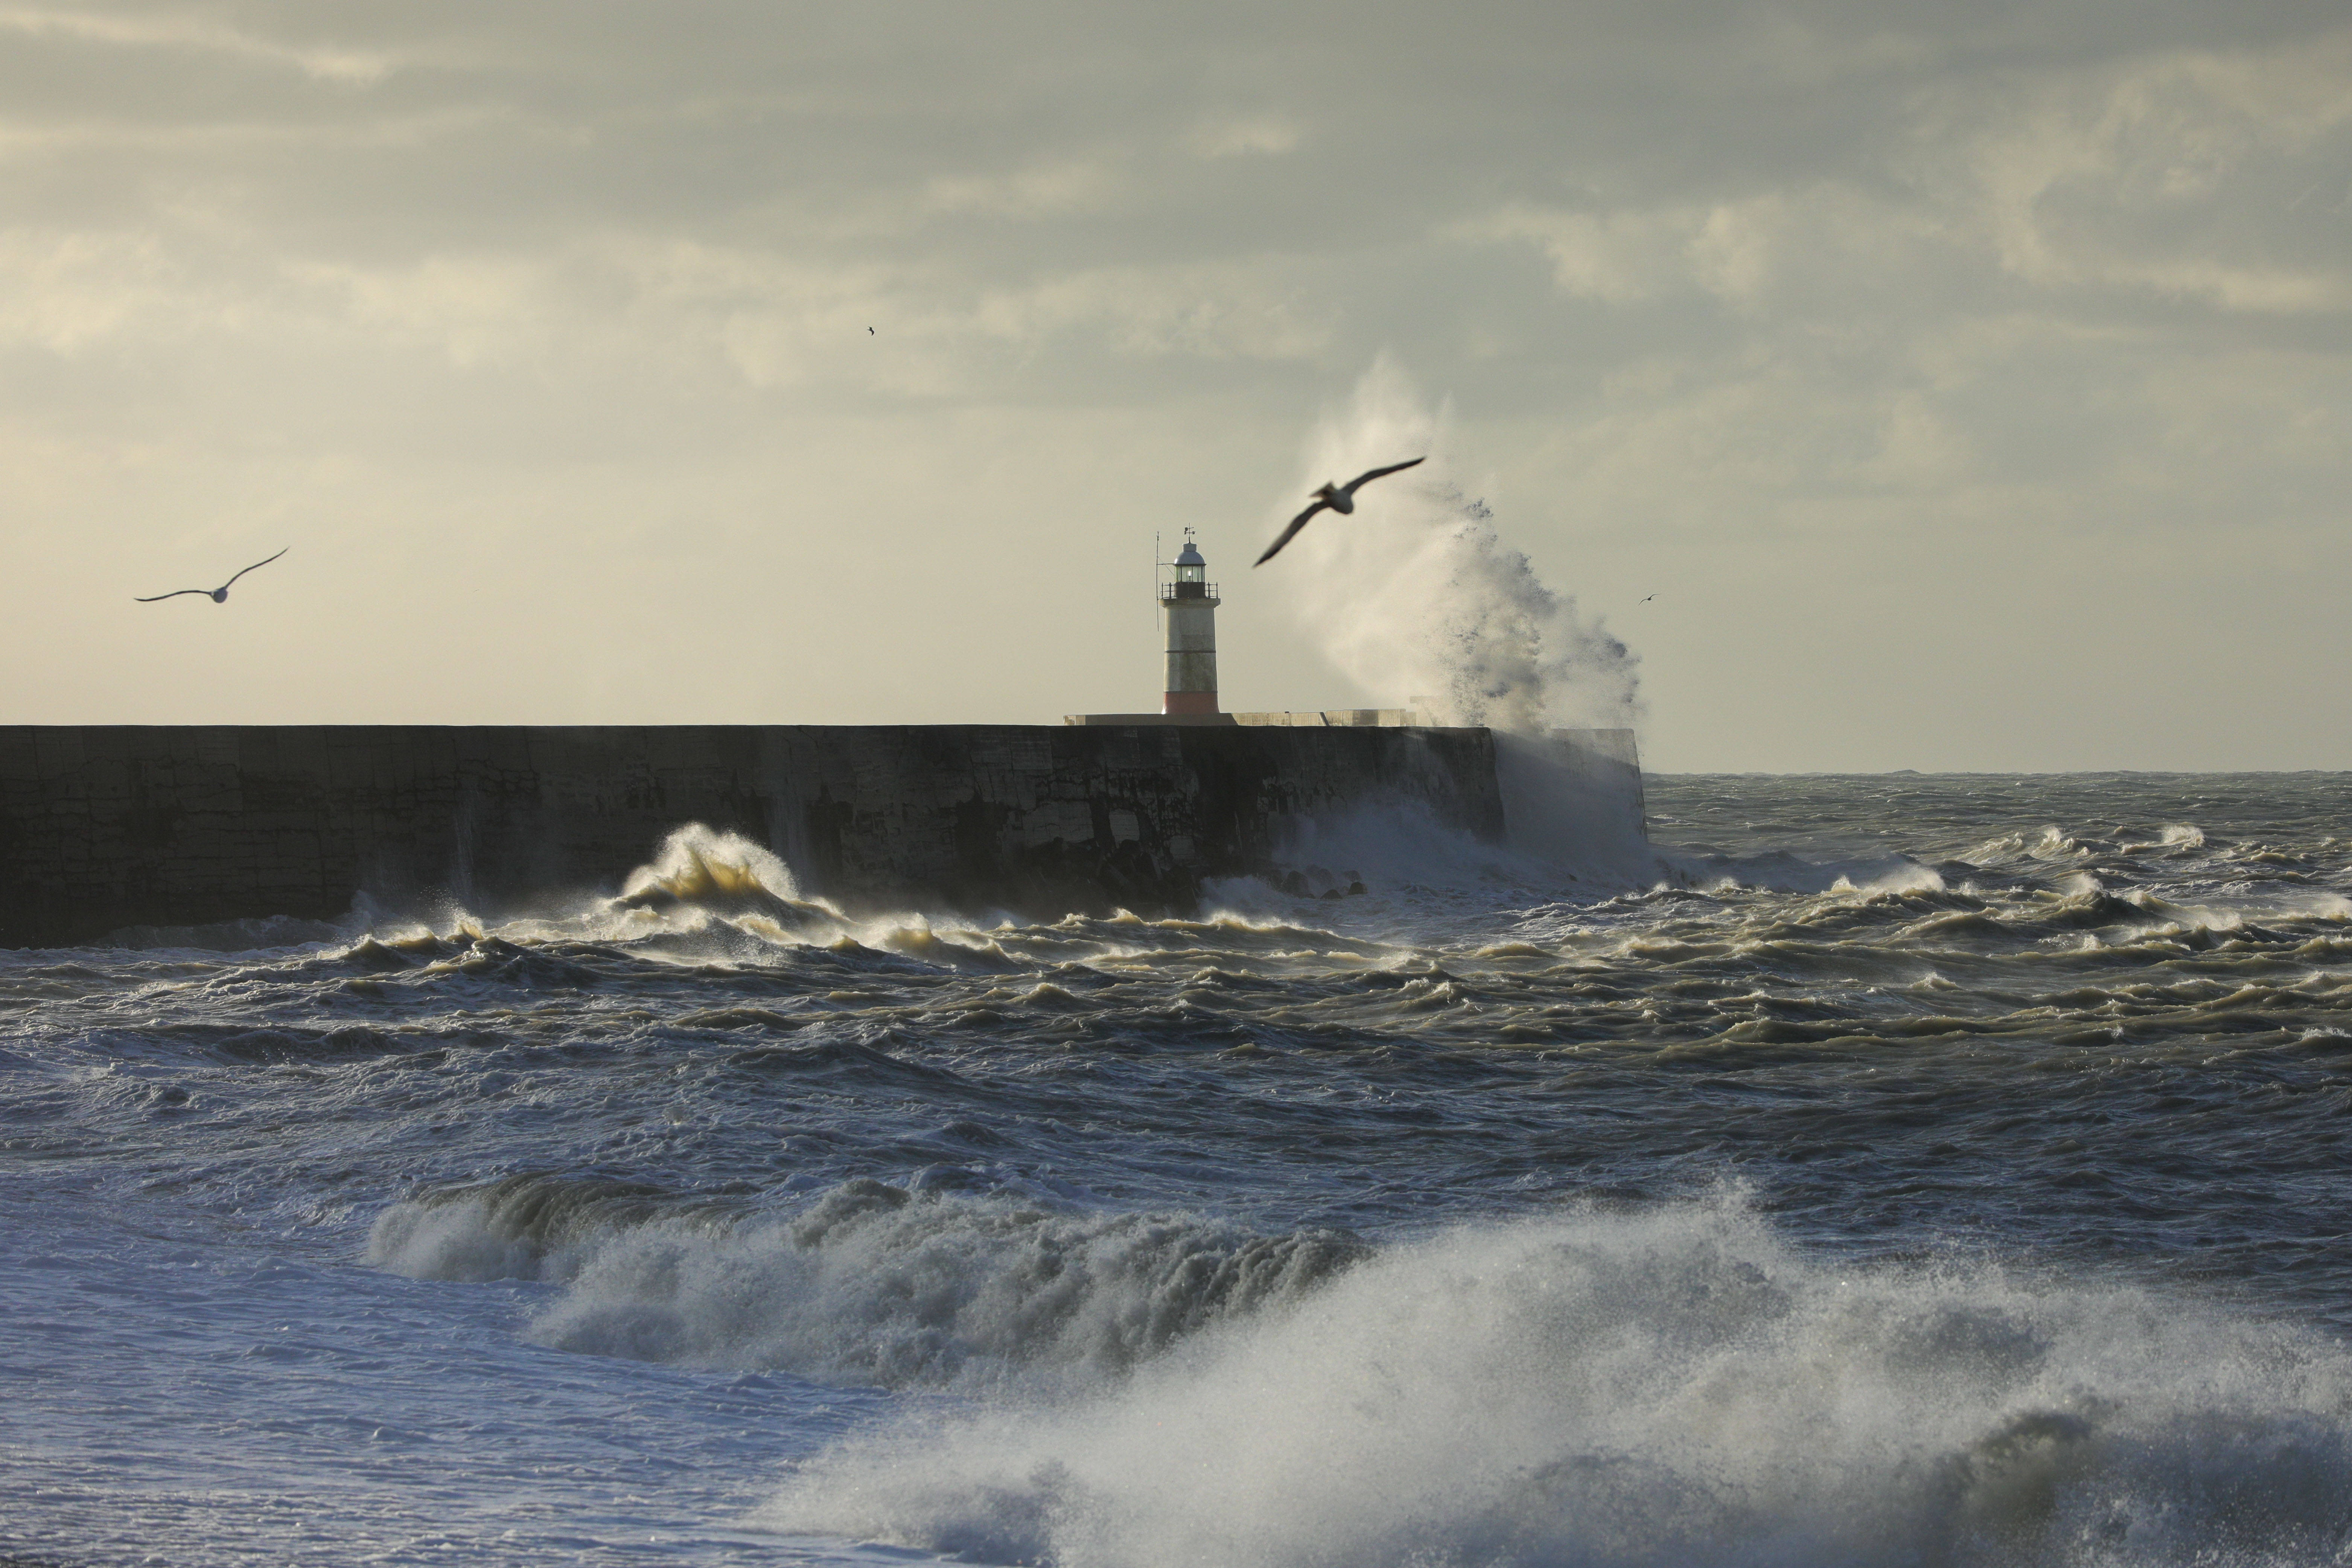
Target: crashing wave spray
x=1417 y=595
x=1676 y=1389
x=726 y=871
x=700 y=874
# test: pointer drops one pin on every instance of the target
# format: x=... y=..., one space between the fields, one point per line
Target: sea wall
x=106 y=827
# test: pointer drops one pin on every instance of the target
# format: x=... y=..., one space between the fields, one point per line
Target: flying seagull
x=218 y=595
x=1341 y=499
x=1651 y=596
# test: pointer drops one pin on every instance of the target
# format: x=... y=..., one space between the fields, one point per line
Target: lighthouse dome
x=1187 y=556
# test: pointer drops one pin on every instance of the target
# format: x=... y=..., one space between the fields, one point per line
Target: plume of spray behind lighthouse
x=1418 y=596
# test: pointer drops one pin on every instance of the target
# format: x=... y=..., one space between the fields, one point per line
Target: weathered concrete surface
x=107 y=827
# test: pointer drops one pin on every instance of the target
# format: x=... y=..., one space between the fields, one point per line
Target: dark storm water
x=1944 y=1169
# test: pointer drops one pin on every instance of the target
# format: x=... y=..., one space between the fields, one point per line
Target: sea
x=1942 y=1169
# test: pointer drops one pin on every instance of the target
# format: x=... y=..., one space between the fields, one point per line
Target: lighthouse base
x=1189 y=703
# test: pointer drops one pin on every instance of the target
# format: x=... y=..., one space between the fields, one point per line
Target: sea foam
x=1678 y=1387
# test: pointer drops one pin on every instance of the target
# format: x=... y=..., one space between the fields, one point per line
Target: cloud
x=1618 y=257
x=188 y=32
x=472 y=309
x=1870 y=294
x=2176 y=177
x=1243 y=136
x=62 y=291
x=1061 y=186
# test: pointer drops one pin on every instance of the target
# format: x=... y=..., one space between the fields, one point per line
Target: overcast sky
x=1971 y=385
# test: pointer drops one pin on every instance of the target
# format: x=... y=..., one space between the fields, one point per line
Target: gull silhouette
x=1341 y=499
x=218 y=595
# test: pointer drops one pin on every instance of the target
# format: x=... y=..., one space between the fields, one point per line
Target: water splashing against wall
x=1418 y=596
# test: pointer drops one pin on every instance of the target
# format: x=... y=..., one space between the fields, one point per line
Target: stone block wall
x=104 y=828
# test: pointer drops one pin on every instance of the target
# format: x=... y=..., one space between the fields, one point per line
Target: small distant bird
x=1649 y=597
x=218 y=595
x=870 y=331
x=1341 y=499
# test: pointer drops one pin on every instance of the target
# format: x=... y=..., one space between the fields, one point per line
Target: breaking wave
x=871 y=1283
x=717 y=871
x=1680 y=1387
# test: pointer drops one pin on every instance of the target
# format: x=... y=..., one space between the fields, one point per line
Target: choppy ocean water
x=1912 y=1170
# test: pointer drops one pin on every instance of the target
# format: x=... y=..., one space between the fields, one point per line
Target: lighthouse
x=1191 y=603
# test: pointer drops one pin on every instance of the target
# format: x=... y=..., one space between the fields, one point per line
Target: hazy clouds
x=1970 y=385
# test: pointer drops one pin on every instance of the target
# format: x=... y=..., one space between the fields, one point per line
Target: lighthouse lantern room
x=1190 y=602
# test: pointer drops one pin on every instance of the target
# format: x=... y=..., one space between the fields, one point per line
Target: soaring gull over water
x=218 y=595
x=1341 y=499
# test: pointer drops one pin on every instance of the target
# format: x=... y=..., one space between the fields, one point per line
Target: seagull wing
x=1289 y=533
x=255 y=567
x=174 y=593
x=1368 y=477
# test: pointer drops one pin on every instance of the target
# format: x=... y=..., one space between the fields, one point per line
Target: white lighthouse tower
x=1191 y=603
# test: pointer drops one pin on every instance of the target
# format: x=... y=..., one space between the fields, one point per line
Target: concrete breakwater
x=106 y=827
